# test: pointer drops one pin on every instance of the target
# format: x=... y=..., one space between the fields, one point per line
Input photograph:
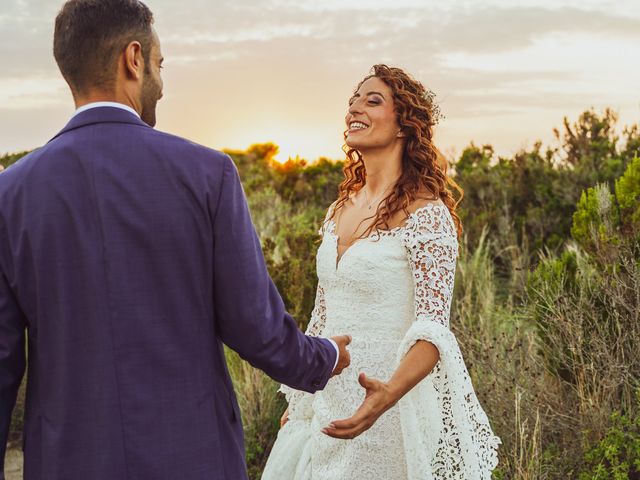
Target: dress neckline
x=331 y=228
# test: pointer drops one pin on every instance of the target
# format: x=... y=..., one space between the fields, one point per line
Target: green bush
x=583 y=301
x=10 y=158
x=596 y=219
x=628 y=195
x=617 y=455
x=604 y=220
x=586 y=310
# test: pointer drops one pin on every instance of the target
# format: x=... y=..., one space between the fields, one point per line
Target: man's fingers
x=344 y=358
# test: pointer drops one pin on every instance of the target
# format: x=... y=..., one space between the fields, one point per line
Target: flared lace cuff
x=299 y=403
x=445 y=429
x=286 y=391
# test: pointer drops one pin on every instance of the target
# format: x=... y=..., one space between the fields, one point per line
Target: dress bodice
x=368 y=269
x=389 y=276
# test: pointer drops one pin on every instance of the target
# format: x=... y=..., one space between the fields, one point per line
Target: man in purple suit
x=129 y=257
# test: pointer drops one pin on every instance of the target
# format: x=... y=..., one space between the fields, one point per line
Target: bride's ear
x=401 y=134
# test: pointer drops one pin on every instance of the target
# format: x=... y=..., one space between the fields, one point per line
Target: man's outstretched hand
x=378 y=400
x=344 y=359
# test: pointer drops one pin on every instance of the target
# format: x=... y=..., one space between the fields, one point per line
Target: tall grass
x=261 y=407
x=500 y=351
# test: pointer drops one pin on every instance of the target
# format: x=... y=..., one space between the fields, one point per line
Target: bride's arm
x=380 y=396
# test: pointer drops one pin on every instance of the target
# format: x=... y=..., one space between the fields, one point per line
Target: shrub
x=617 y=455
x=10 y=158
x=261 y=408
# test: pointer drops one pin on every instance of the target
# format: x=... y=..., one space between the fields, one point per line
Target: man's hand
x=378 y=399
x=344 y=359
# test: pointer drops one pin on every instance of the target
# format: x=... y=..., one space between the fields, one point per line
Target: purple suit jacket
x=130 y=258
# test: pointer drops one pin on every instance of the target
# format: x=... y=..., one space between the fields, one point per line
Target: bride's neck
x=383 y=170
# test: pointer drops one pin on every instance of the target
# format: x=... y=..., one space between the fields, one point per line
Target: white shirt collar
x=105 y=104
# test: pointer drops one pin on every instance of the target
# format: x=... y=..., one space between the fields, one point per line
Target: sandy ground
x=13 y=464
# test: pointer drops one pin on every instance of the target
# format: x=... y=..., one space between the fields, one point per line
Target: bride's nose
x=354 y=108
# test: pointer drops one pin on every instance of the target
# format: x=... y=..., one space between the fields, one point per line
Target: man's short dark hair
x=90 y=34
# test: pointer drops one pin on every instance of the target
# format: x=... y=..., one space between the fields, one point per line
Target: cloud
x=501 y=29
x=258 y=64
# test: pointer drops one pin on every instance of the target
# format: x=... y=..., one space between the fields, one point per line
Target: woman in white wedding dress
x=386 y=268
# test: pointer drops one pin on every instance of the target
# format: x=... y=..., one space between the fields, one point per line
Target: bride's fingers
x=342 y=432
x=284 y=418
x=343 y=435
x=360 y=418
x=349 y=428
x=366 y=382
x=346 y=424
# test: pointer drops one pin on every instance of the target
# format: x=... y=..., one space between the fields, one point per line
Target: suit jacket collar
x=101 y=115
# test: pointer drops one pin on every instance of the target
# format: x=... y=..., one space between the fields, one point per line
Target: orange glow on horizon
x=293 y=141
x=288 y=152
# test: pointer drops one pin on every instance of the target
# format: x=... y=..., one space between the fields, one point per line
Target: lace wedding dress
x=388 y=291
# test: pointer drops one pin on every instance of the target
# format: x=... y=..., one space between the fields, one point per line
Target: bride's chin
x=353 y=143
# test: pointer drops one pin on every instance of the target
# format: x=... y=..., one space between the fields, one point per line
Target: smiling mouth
x=355 y=126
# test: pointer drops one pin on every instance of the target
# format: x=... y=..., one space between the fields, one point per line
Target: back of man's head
x=89 y=36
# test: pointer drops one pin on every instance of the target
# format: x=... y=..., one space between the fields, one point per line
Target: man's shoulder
x=15 y=170
x=184 y=144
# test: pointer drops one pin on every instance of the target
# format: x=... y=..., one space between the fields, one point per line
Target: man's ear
x=133 y=60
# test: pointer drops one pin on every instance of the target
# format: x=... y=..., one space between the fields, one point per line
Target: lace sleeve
x=318 y=315
x=432 y=250
x=314 y=329
x=444 y=427
x=433 y=263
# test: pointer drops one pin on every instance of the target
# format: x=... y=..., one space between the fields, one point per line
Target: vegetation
x=547 y=299
x=617 y=455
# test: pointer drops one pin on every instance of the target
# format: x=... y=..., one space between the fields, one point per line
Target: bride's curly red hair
x=423 y=166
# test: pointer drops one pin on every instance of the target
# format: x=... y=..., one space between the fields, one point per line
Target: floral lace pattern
x=299 y=401
x=389 y=290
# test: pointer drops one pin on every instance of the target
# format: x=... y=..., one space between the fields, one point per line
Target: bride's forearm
x=415 y=366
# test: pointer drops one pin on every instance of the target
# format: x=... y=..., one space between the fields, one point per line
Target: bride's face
x=371 y=119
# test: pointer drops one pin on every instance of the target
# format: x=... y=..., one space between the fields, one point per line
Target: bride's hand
x=285 y=418
x=380 y=396
x=378 y=399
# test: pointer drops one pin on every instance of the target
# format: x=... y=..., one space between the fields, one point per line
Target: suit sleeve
x=12 y=359
x=250 y=313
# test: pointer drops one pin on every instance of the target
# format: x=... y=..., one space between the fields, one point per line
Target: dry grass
x=552 y=369
x=261 y=408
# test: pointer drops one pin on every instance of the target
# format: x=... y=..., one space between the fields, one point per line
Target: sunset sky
x=505 y=72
